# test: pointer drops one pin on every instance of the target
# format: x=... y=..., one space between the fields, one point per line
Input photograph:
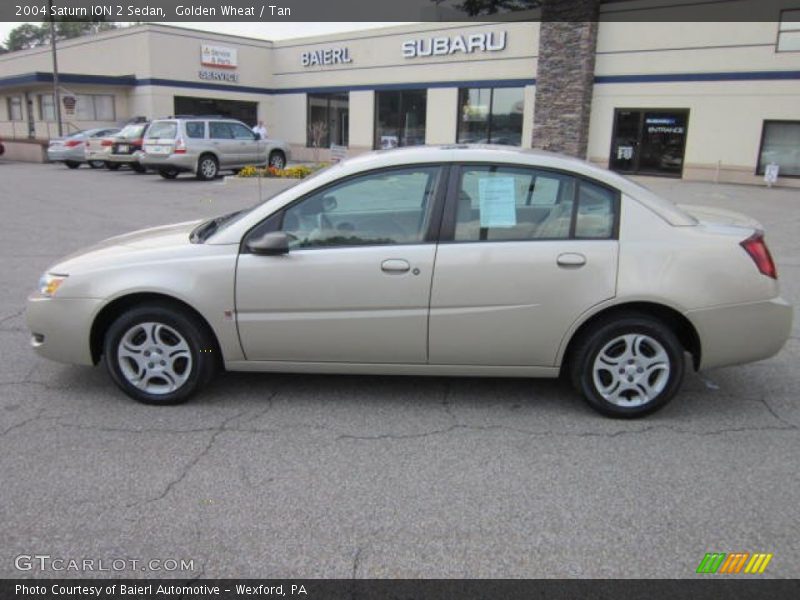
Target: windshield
x=163 y=129
x=132 y=131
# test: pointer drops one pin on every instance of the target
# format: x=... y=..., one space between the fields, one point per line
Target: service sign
x=218 y=57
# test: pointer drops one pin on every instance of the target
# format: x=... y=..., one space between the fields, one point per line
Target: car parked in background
x=454 y=260
x=207 y=145
x=98 y=148
x=127 y=147
x=71 y=149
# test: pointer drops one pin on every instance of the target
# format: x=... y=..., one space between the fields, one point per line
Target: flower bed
x=298 y=172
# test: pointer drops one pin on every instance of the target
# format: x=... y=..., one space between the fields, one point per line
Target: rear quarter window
x=195 y=129
x=163 y=130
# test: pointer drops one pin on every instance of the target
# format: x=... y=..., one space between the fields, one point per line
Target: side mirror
x=270 y=244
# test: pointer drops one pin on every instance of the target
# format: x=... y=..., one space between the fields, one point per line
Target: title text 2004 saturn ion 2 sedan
x=427 y=261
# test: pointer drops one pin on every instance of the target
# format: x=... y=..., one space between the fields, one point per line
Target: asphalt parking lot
x=338 y=476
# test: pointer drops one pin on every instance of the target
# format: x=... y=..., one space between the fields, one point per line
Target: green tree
x=27 y=36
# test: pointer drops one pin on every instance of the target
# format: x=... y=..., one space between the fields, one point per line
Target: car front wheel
x=158 y=355
x=72 y=164
x=277 y=159
x=168 y=173
x=628 y=367
x=97 y=164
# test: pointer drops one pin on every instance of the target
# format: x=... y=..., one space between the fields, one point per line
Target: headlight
x=49 y=283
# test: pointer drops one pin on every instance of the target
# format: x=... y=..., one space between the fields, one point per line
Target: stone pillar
x=565 y=76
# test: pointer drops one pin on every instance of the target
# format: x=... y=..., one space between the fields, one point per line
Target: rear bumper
x=60 y=327
x=123 y=158
x=181 y=162
x=742 y=333
x=61 y=155
x=97 y=155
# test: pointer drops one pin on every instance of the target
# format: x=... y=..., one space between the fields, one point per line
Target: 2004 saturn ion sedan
x=458 y=260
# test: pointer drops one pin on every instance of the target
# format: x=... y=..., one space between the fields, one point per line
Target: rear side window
x=195 y=129
x=240 y=132
x=220 y=131
x=513 y=204
x=165 y=129
x=596 y=212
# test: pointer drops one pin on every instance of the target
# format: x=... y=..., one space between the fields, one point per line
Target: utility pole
x=56 y=94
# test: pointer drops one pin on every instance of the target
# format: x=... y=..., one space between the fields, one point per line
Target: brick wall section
x=565 y=76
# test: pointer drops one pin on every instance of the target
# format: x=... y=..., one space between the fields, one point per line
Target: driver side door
x=355 y=284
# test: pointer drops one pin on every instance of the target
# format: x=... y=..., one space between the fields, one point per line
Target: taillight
x=756 y=247
x=180 y=146
x=136 y=142
x=72 y=143
x=107 y=143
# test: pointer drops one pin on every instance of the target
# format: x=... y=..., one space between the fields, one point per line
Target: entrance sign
x=771 y=172
x=466 y=44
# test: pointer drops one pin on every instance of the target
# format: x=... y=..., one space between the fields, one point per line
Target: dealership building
x=717 y=101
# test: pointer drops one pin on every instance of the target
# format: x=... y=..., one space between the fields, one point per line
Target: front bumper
x=742 y=333
x=60 y=327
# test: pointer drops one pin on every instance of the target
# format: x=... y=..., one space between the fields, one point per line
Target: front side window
x=240 y=132
x=14 y=108
x=387 y=207
x=490 y=115
x=789 y=31
x=780 y=145
x=328 y=120
x=400 y=118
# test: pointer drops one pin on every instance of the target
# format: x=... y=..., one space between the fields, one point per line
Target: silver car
x=205 y=146
x=71 y=150
x=467 y=261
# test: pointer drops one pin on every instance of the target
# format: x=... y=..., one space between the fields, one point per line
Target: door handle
x=571 y=259
x=395 y=265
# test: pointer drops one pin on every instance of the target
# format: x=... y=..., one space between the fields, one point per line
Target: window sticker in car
x=497 y=202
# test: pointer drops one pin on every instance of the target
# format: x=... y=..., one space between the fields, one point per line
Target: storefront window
x=94 y=107
x=780 y=145
x=14 y=108
x=400 y=118
x=789 y=31
x=490 y=115
x=47 y=111
x=649 y=141
x=328 y=120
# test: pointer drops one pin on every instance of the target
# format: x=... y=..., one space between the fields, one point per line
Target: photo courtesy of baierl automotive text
x=433 y=299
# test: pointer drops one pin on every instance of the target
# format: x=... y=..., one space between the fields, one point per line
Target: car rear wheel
x=207 y=167
x=277 y=159
x=72 y=164
x=168 y=173
x=158 y=355
x=628 y=367
x=112 y=166
x=97 y=164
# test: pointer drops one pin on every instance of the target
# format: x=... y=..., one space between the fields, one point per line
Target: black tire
x=647 y=389
x=277 y=159
x=168 y=173
x=112 y=166
x=139 y=169
x=207 y=167
x=71 y=164
x=202 y=351
x=97 y=164
x=235 y=171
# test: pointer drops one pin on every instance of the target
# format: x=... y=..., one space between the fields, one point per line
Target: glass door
x=649 y=141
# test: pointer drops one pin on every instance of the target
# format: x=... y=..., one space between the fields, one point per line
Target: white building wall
x=441 y=117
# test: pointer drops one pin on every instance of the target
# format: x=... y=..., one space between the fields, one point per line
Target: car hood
x=720 y=216
x=137 y=242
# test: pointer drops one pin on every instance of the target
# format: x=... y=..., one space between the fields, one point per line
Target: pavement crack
x=24 y=422
x=356 y=562
x=789 y=425
x=14 y=315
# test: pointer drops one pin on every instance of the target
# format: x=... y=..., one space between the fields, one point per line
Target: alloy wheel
x=154 y=358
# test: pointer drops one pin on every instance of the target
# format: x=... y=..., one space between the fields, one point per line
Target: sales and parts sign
x=222 y=63
x=218 y=57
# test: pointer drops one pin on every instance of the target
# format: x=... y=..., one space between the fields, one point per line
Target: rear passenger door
x=224 y=143
x=523 y=253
